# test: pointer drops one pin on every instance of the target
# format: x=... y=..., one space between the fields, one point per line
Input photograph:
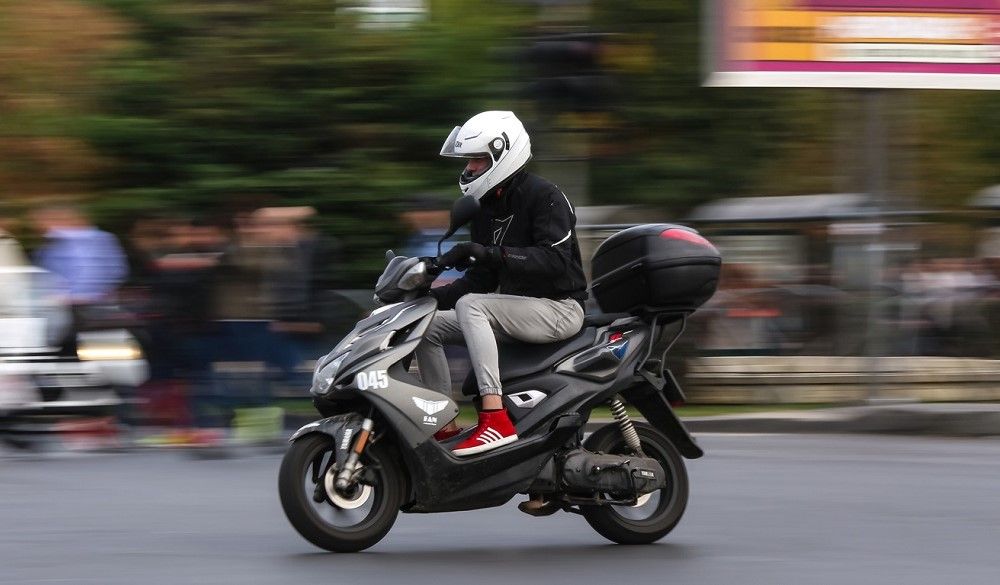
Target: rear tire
x=355 y=524
x=652 y=520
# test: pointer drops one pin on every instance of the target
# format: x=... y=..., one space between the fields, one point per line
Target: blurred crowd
x=205 y=286
x=926 y=307
x=196 y=295
x=949 y=306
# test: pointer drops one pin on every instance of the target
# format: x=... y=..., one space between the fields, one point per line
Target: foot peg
x=538 y=507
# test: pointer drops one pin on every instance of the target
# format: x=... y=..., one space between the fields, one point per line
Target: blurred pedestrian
x=14 y=281
x=742 y=318
x=174 y=259
x=89 y=262
x=289 y=269
x=260 y=299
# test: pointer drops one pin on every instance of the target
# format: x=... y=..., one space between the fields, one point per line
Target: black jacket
x=533 y=224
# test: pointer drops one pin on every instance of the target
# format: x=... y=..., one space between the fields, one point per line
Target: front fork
x=345 y=475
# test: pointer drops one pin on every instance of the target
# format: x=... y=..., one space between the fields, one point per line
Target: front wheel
x=327 y=518
x=655 y=514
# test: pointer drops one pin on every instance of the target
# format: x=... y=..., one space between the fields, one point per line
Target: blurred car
x=40 y=391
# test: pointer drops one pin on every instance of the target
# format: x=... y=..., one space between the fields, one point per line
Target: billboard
x=929 y=44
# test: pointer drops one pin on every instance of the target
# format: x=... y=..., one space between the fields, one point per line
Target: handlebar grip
x=440 y=266
x=434 y=267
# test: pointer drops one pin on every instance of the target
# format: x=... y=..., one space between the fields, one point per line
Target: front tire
x=657 y=515
x=338 y=523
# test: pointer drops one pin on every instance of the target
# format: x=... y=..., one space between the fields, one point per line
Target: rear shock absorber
x=625 y=423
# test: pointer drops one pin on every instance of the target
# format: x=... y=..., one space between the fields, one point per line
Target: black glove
x=466 y=254
x=431 y=263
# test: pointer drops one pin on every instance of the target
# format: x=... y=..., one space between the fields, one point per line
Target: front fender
x=341 y=428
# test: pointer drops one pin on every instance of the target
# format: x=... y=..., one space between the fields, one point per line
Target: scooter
x=345 y=477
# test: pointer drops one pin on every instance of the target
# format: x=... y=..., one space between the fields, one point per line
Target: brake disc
x=362 y=493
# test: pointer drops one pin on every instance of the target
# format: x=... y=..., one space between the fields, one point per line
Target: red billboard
x=934 y=44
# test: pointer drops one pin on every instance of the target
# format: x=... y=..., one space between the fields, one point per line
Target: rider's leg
x=533 y=320
x=432 y=361
x=527 y=319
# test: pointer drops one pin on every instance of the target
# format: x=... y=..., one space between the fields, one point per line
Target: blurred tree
x=956 y=144
x=47 y=50
x=292 y=101
x=677 y=143
x=567 y=73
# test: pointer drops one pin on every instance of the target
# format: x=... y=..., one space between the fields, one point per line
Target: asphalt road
x=769 y=509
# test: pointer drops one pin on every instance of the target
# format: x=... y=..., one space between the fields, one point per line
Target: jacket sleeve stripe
x=571 y=210
x=566 y=237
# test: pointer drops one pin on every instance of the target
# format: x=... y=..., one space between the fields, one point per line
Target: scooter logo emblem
x=430 y=407
x=618 y=345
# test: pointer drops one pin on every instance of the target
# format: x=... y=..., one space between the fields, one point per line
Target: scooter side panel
x=443 y=482
x=416 y=412
x=534 y=400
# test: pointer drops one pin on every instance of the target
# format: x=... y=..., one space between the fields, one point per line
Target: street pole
x=876 y=165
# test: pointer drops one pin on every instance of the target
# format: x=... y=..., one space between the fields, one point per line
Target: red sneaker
x=445 y=433
x=494 y=430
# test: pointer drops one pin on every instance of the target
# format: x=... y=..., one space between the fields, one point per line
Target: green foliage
x=219 y=105
x=680 y=143
x=677 y=143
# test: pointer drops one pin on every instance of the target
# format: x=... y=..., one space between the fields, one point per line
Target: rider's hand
x=464 y=255
x=432 y=265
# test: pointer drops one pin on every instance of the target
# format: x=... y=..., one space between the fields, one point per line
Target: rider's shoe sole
x=485 y=447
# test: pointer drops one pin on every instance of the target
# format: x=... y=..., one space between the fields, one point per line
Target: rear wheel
x=655 y=514
x=338 y=522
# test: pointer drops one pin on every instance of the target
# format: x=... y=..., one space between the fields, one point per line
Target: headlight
x=414 y=277
x=324 y=377
x=335 y=364
x=108 y=353
x=323 y=386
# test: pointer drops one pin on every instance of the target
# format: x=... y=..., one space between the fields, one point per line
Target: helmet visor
x=448 y=148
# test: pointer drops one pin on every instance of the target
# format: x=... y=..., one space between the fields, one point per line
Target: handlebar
x=441 y=267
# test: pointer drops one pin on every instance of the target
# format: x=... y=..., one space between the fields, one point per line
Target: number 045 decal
x=373 y=379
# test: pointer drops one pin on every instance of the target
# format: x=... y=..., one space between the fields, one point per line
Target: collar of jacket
x=510 y=184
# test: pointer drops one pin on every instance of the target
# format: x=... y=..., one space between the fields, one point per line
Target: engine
x=618 y=476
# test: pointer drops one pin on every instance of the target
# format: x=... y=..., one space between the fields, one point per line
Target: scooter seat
x=602 y=319
x=522 y=359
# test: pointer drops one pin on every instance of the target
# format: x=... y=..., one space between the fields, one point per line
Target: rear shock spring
x=628 y=429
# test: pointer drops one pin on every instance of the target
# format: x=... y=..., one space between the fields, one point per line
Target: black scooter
x=345 y=477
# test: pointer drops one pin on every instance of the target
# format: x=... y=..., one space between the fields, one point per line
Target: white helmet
x=498 y=136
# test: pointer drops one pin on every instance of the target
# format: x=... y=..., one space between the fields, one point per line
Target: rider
x=524 y=279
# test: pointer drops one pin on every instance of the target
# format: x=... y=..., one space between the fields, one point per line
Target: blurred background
x=195 y=199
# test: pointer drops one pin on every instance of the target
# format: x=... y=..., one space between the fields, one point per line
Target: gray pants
x=479 y=321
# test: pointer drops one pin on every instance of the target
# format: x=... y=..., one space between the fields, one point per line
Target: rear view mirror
x=464 y=209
